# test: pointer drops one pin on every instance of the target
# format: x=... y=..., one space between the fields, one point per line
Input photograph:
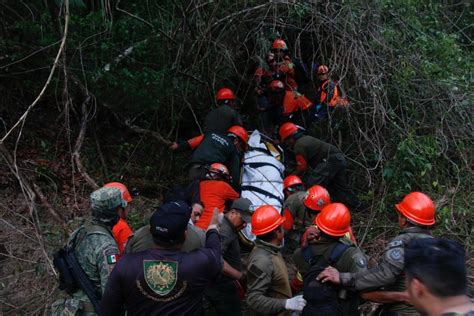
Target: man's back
x=220 y=119
x=162 y=282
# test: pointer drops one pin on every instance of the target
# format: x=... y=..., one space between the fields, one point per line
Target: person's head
x=279 y=48
x=435 y=271
x=267 y=224
x=239 y=213
x=126 y=196
x=292 y=184
x=287 y=134
x=225 y=96
x=240 y=137
x=334 y=221
x=417 y=209
x=218 y=171
x=316 y=198
x=322 y=73
x=168 y=224
x=106 y=203
x=270 y=59
x=196 y=211
x=276 y=92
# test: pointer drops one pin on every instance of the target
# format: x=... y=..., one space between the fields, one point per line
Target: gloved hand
x=214 y=224
x=296 y=303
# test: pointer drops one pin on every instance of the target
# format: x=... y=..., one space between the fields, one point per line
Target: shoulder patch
x=256 y=271
x=361 y=262
x=111 y=255
x=395 y=254
x=395 y=243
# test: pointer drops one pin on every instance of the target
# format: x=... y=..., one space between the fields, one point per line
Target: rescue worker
x=215 y=191
x=218 y=120
x=224 y=295
x=291 y=185
x=268 y=287
x=195 y=237
x=416 y=214
x=122 y=231
x=333 y=223
x=300 y=210
x=227 y=149
x=321 y=162
x=436 y=277
x=285 y=69
x=95 y=250
x=288 y=105
x=165 y=280
x=328 y=95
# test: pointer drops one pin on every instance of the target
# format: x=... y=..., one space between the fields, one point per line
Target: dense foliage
x=406 y=66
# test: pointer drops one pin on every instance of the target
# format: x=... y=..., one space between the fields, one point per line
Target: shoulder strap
x=337 y=252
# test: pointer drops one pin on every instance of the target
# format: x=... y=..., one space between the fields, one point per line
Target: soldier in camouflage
x=416 y=215
x=95 y=249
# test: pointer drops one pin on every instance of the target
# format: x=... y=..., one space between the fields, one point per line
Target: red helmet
x=219 y=168
x=418 y=207
x=265 y=219
x=225 y=94
x=316 y=198
x=322 y=70
x=279 y=44
x=240 y=132
x=125 y=194
x=334 y=220
x=287 y=130
x=291 y=180
x=276 y=85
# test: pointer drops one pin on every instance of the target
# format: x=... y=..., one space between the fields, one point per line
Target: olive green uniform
x=352 y=260
x=268 y=286
x=389 y=273
x=301 y=217
x=96 y=252
x=326 y=166
x=142 y=240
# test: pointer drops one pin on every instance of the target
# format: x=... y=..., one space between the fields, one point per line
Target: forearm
x=384 y=297
x=264 y=304
x=371 y=279
x=229 y=271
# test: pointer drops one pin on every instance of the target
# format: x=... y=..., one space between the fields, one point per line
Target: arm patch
x=256 y=271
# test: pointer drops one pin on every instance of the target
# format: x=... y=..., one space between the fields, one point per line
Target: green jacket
x=313 y=150
x=302 y=218
x=220 y=119
x=389 y=273
x=268 y=285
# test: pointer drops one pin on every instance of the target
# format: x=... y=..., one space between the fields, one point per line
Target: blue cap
x=169 y=221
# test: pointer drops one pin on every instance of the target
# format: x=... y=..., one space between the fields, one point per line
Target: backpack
x=322 y=298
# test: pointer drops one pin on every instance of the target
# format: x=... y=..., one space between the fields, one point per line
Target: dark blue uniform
x=163 y=282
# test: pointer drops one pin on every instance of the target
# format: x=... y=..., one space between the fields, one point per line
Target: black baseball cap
x=169 y=221
x=242 y=205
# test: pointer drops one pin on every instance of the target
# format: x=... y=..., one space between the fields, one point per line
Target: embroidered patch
x=361 y=262
x=161 y=276
x=395 y=254
x=111 y=255
x=395 y=243
x=111 y=259
x=255 y=271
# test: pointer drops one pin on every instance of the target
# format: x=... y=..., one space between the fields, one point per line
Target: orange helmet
x=217 y=167
x=287 y=130
x=225 y=94
x=279 y=44
x=322 y=70
x=240 y=132
x=418 y=207
x=334 y=220
x=125 y=193
x=316 y=198
x=265 y=219
x=276 y=85
x=291 y=180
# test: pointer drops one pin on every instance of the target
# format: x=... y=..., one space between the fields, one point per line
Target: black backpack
x=322 y=298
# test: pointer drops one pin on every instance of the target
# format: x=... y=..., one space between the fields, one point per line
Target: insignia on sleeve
x=395 y=243
x=361 y=262
x=111 y=259
x=395 y=254
x=111 y=256
x=161 y=276
x=255 y=271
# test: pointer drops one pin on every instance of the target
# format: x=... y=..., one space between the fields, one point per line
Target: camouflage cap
x=106 y=199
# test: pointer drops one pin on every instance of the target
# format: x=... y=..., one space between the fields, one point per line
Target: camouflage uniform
x=268 y=286
x=96 y=252
x=352 y=260
x=389 y=273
